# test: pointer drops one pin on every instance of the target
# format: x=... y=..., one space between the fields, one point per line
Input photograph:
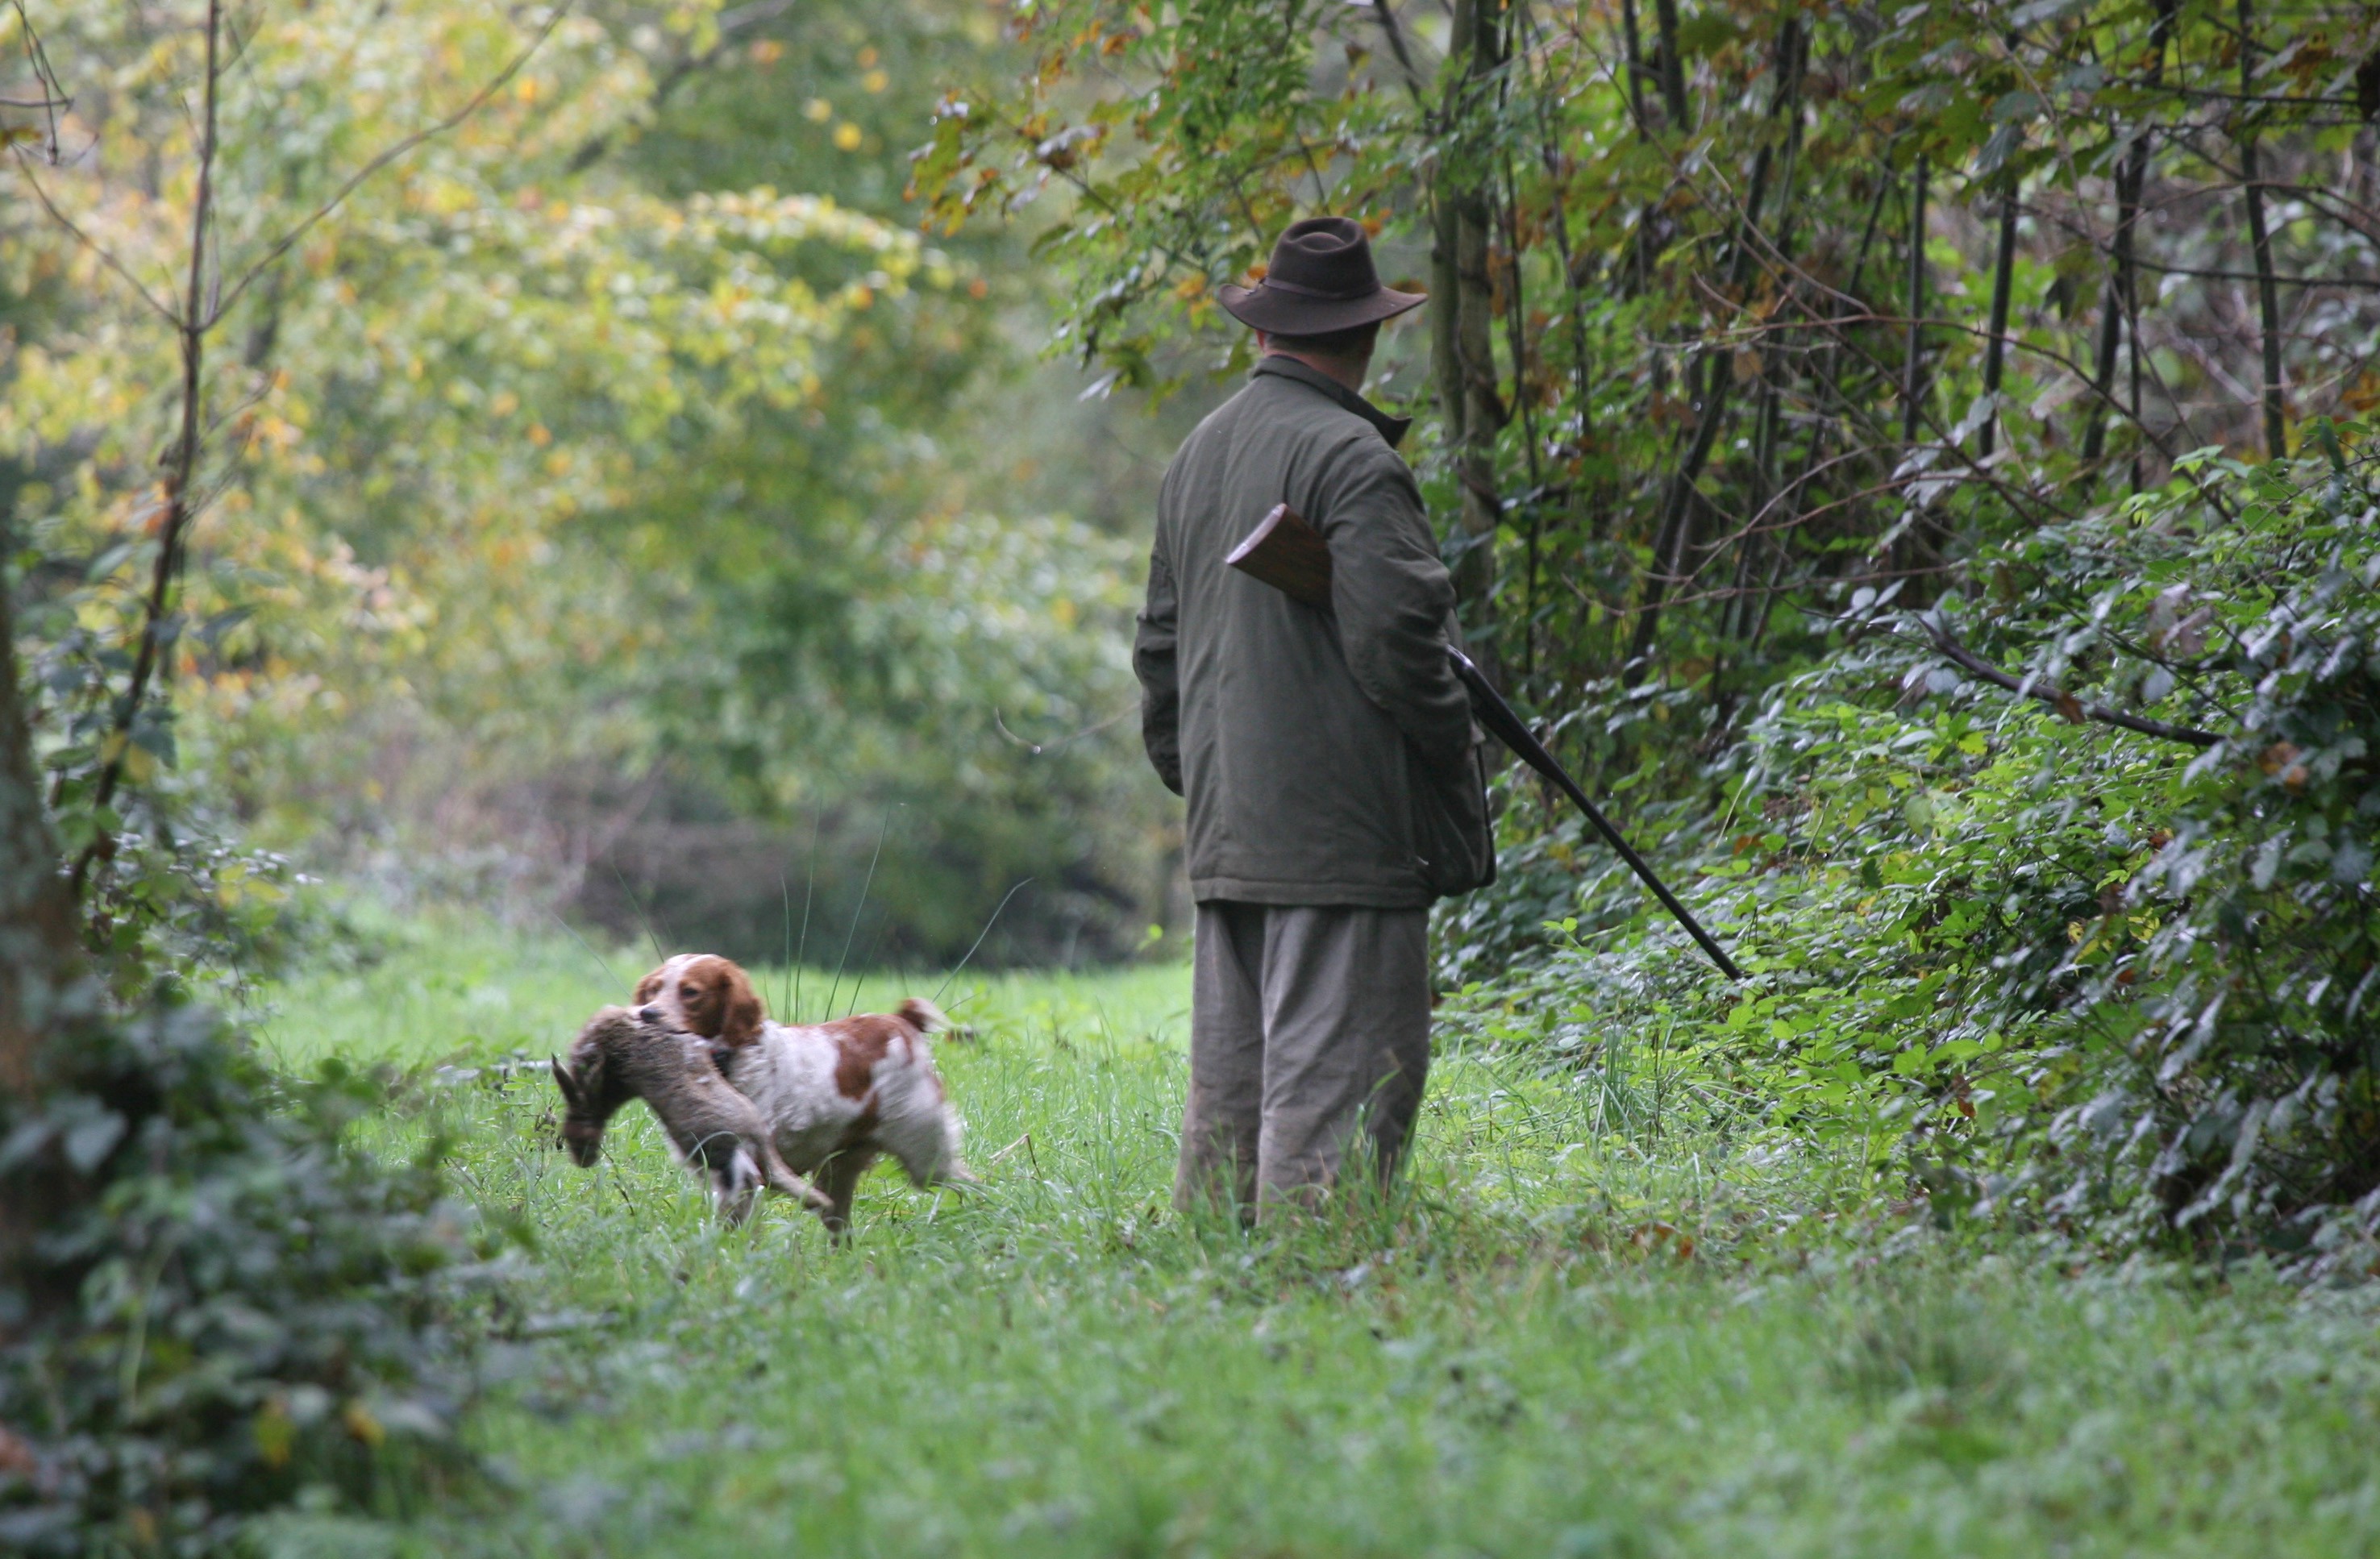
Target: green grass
x=1514 y=1357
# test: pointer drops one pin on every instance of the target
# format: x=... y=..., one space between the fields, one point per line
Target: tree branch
x=289 y=239
x=2065 y=703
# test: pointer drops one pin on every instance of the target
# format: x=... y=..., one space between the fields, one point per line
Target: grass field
x=1557 y=1342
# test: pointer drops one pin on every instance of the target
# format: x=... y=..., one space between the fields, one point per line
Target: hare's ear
x=563 y=1081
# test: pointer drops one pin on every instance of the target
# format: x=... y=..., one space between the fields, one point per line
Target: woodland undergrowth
x=2041 y=968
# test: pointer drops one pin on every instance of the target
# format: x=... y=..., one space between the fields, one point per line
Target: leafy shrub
x=239 y=1309
x=2106 y=980
x=2228 y=990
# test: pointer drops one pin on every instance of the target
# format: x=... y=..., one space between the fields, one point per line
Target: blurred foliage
x=587 y=519
x=257 y=1312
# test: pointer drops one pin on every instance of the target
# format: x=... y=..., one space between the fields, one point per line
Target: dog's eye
x=690 y=990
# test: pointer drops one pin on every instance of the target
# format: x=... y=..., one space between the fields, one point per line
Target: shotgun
x=1291 y=555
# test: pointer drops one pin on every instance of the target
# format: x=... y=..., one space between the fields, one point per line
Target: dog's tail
x=922 y=1015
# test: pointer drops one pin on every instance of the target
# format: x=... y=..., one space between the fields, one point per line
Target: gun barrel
x=1507 y=728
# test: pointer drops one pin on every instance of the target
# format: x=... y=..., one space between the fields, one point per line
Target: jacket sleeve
x=1153 y=662
x=1393 y=599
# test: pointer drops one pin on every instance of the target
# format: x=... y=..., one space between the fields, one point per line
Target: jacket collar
x=1392 y=429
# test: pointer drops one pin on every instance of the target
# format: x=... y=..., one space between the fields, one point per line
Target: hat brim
x=1284 y=313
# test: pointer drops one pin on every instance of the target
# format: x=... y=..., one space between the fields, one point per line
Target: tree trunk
x=2268 y=302
x=158 y=625
x=1673 y=69
x=2003 y=277
x=1633 y=47
x=40 y=958
x=1675 y=539
x=1461 y=338
x=1912 y=358
x=2120 y=311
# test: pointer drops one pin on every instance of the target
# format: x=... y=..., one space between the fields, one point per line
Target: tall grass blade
x=608 y=974
x=979 y=938
x=861 y=908
x=859 y=981
x=636 y=906
x=802 y=954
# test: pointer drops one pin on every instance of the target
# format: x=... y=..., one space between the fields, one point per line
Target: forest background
x=684 y=468
x=614 y=507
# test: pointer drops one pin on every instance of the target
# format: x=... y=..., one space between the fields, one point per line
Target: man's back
x=1317 y=750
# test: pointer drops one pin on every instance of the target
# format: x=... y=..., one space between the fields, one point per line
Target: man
x=1333 y=774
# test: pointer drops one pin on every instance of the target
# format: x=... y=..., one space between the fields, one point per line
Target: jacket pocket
x=1452 y=837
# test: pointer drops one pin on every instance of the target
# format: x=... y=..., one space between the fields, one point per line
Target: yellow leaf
x=362 y=1425
x=876 y=81
x=818 y=111
x=275 y=1434
x=846 y=137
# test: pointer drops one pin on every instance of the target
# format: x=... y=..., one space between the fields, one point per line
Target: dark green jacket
x=1327 y=757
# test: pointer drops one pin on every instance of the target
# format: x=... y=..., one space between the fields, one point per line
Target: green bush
x=240 y=1310
x=2096 y=979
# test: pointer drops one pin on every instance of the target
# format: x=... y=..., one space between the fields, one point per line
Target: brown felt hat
x=1320 y=280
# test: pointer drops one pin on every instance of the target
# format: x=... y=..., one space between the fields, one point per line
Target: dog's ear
x=648 y=987
x=563 y=1081
x=740 y=1011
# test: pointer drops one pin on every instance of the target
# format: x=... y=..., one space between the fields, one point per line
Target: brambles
x=239 y=1308
x=2044 y=967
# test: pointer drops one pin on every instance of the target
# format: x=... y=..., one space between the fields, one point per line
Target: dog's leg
x=930 y=1151
x=839 y=1178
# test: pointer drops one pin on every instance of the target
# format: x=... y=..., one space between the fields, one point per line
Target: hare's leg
x=734 y=1185
x=782 y=1178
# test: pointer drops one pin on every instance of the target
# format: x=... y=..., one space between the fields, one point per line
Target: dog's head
x=702 y=994
x=591 y=1096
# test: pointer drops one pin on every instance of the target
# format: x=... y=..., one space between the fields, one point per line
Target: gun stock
x=1292 y=556
x=1288 y=554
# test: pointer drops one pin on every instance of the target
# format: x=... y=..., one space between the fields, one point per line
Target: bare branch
x=2063 y=701
x=430 y=132
x=106 y=257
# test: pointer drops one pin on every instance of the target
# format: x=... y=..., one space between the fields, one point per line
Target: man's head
x=1343 y=355
x=1320 y=301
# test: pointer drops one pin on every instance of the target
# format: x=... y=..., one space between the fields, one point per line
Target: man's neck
x=1347 y=371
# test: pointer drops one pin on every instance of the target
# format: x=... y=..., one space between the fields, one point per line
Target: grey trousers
x=1308 y=1024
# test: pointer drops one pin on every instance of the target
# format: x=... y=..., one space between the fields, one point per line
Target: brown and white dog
x=835 y=1094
